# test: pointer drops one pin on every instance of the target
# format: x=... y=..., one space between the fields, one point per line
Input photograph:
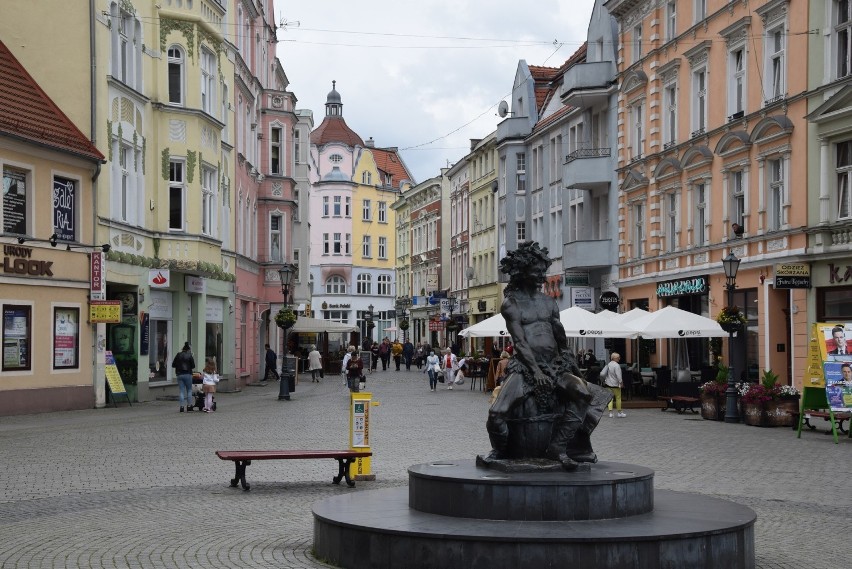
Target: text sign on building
x=682 y=287
x=360 y=426
x=105 y=311
x=64 y=214
x=793 y=275
x=576 y=278
x=97 y=283
x=194 y=284
x=159 y=278
x=583 y=297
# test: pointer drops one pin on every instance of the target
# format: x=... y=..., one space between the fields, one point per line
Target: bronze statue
x=544 y=410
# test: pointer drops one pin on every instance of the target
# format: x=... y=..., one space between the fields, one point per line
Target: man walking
x=271 y=361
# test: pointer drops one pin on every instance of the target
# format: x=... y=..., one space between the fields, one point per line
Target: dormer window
x=336 y=158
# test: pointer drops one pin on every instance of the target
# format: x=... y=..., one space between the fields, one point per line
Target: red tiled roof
x=27 y=112
x=389 y=162
x=335 y=129
x=545 y=76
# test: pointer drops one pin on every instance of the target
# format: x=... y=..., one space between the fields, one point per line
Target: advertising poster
x=65 y=337
x=16 y=322
x=14 y=201
x=64 y=204
x=838 y=385
x=836 y=341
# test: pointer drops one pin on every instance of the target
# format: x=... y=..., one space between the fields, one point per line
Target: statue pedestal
x=457 y=514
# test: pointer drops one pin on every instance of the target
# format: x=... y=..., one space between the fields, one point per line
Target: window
x=275 y=141
x=336 y=158
x=15 y=200
x=176 y=77
x=340 y=316
x=671 y=222
x=17 y=337
x=556 y=158
x=736 y=81
x=123 y=196
x=337 y=202
x=208 y=200
x=366 y=247
x=522 y=231
x=336 y=246
x=335 y=285
x=347 y=207
x=66 y=338
x=670 y=115
x=348 y=244
x=844 y=172
x=521 y=172
x=365 y=210
x=364 y=284
x=367 y=178
x=637 y=43
x=699 y=98
x=176 y=191
x=776 y=195
x=383 y=247
x=297 y=146
x=326 y=244
x=776 y=87
x=208 y=81
x=637 y=130
x=671 y=20
x=275 y=238
x=65 y=208
x=700 y=10
x=297 y=262
x=383 y=285
x=699 y=229
x=737 y=190
x=325 y=206
x=843 y=36
x=383 y=212
x=638 y=230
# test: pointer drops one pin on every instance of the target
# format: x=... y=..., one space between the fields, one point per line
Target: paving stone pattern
x=141 y=487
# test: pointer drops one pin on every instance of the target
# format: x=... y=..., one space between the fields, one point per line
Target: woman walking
x=449 y=364
x=315 y=363
x=433 y=368
x=611 y=376
x=184 y=363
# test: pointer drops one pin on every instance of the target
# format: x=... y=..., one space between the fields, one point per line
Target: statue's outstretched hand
x=541 y=378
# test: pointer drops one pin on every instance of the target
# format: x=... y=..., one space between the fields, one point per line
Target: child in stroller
x=198 y=393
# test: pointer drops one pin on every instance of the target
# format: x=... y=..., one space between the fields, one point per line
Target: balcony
x=736 y=116
x=588 y=168
x=589 y=253
x=586 y=85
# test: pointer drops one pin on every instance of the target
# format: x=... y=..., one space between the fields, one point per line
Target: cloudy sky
x=424 y=76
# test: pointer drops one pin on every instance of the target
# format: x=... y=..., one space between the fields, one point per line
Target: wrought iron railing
x=588 y=153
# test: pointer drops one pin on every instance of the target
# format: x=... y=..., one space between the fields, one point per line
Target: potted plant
x=285 y=318
x=712 y=395
x=767 y=404
x=731 y=319
x=403 y=324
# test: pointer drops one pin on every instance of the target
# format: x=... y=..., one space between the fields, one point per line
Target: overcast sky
x=423 y=76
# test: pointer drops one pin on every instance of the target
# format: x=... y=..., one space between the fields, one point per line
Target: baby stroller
x=198 y=393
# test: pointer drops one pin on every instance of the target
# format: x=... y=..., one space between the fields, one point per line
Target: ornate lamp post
x=370 y=323
x=731 y=265
x=451 y=324
x=286 y=274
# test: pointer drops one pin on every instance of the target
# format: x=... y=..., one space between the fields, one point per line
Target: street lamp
x=286 y=274
x=370 y=324
x=731 y=264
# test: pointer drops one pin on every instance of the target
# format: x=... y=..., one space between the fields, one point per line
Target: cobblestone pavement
x=141 y=487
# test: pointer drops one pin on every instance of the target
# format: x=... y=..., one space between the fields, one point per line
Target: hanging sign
x=682 y=287
x=793 y=275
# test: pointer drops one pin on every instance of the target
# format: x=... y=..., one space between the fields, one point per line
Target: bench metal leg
x=343 y=471
x=240 y=476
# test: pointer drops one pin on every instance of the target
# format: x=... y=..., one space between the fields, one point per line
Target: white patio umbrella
x=491 y=327
x=580 y=323
x=623 y=317
x=672 y=322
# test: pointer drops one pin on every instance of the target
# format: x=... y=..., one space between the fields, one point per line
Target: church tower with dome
x=353 y=229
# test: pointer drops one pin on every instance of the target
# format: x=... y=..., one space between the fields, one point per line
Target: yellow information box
x=116 y=385
x=104 y=311
x=359 y=434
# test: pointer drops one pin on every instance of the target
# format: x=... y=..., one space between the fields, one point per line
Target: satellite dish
x=503 y=109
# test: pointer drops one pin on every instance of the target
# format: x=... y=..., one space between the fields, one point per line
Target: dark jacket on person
x=271 y=358
x=184 y=362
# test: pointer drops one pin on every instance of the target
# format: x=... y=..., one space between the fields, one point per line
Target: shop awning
x=316 y=326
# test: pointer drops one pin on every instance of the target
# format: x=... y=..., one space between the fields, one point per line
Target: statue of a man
x=550 y=407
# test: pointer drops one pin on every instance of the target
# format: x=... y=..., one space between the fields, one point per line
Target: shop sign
x=582 y=296
x=336 y=306
x=792 y=275
x=97 y=283
x=682 y=287
x=609 y=301
x=144 y=333
x=64 y=206
x=834 y=274
x=23 y=263
x=194 y=284
x=435 y=325
x=159 y=278
x=576 y=278
x=105 y=311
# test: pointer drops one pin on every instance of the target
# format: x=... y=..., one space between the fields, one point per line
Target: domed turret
x=333 y=127
x=333 y=103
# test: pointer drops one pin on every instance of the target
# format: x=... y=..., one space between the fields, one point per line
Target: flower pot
x=712 y=407
x=753 y=414
x=782 y=412
x=730 y=326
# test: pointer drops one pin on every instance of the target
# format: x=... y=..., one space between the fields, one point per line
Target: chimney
x=370 y=143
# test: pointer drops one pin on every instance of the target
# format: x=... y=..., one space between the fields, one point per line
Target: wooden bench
x=839 y=418
x=681 y=396
x=243 y=458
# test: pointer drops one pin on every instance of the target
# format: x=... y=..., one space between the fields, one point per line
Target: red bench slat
x=285 y=454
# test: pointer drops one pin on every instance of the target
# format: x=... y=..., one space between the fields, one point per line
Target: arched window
x=335 y=285
x=365 y=284
x=176 y=74
x=384 y=285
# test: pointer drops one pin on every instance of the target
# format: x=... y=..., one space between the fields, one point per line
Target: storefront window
x=121 y=337
x=17 y=337
x=834 y=304
x=66 y=338
x=158 y=352
x=746 y=359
